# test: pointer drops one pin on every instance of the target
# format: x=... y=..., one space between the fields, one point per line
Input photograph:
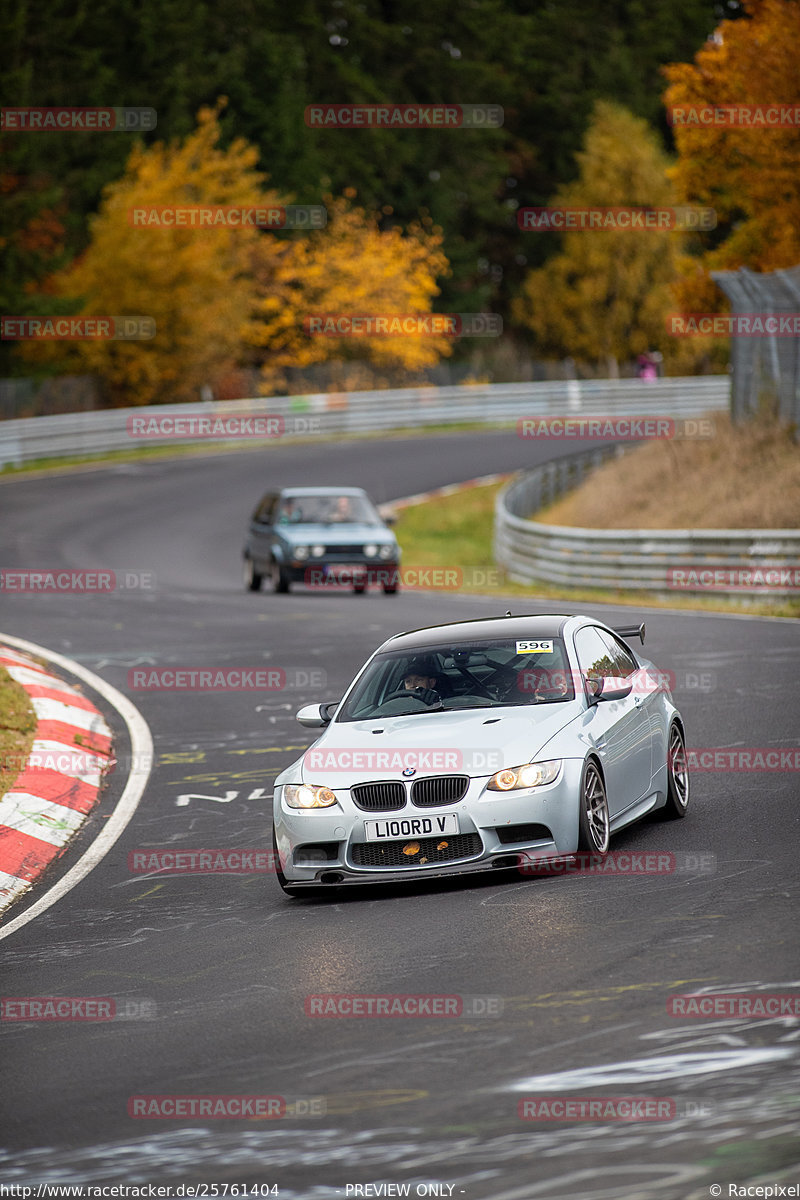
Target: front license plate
x=395 y=827
x=343 y=573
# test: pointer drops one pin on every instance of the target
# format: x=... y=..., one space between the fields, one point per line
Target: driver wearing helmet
x=422 y=678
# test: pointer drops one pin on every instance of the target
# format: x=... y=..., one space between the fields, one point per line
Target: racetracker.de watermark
x=77 y=1008
x=398 y=1005
x=77 y=120
x=342 y=576
x=404 y=116
x=219 y=428
x=553 y=682
x=617 y=429
x=403 y=759
x=622 y=862
x=597 y=1108
x=225 y=679
x=367 y=325
x=230 y=216
x=744 y=758
x=46 y=756
x=59 y=582
x=735 y=1005
x=213 y=1107
x=736 y=116
x=169 y=861
x=734 y=579
x=77 y=329
x=752 y=324
x=597 y=219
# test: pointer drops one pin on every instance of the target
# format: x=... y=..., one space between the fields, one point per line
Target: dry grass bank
x=745 y=477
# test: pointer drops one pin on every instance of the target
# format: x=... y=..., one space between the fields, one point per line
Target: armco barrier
x=672 y=562
x=26 y=440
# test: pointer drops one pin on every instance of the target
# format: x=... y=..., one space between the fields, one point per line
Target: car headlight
x=527 y=776
x=300 y=552
x=370 y=550
x=386 y=551
x=308 y=795
x=317 y=551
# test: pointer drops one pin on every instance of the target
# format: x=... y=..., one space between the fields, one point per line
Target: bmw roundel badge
x=410 y=771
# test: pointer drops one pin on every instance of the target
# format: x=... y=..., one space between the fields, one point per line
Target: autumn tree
x=545 y=63
x=352 y=266
x=195 y=282
x=749 y=174
x=605 y=296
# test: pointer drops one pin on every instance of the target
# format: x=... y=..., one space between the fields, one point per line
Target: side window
x=594 y=655
x=264 y=511
x=624 y=664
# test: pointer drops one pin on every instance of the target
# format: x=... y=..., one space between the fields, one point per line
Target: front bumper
x=486 y=823
x=326 y=573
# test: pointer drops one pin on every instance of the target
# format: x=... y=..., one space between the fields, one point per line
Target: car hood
x=475 y=742
x=335 y=535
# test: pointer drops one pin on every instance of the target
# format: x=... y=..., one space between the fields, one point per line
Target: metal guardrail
x=747 y=562
x=29 y=439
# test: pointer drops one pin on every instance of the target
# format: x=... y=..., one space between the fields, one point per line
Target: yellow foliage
x=194 y=282
x=606 y=295
x=350 y=267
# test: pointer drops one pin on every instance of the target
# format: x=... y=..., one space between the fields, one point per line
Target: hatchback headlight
x=386 y=551
x=317 y=551
x=527 y=776
x=370 y=550
x=300 y=552
x=308 y=795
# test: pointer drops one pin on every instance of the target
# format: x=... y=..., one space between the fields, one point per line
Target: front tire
x=252 y=577
x=280 y=579
x=594 y=825
x=677 y=776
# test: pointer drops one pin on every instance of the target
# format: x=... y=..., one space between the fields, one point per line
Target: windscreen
x=327 y=510
x=444 y=678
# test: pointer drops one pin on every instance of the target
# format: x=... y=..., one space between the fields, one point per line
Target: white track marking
x=43 y=819
x=69 y=714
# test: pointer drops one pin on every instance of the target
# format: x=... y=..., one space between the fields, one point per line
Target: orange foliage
x=352 y=267
x=750 y=175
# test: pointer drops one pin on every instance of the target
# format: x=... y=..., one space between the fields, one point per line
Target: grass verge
x=456 y=532
x=17 y=729
x=744 y=477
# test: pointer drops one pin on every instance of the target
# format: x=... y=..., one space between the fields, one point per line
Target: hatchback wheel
x=252 y=577
x=593 y=819
x=280 y=579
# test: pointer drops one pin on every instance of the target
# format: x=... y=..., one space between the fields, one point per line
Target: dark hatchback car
x=321 y=537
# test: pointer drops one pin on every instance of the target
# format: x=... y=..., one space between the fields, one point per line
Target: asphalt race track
x=579 y=968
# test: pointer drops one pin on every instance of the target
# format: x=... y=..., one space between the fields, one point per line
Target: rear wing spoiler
x=630 y=631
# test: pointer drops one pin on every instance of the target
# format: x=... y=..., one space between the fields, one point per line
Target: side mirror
x=388 y=516
x=599 y=690
x=316 y=716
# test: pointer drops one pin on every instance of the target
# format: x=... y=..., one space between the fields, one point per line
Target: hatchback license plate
x=344 y=572
x=392 y=829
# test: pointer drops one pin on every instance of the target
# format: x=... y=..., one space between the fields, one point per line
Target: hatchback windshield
x=327 y=510
x=481 y=674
